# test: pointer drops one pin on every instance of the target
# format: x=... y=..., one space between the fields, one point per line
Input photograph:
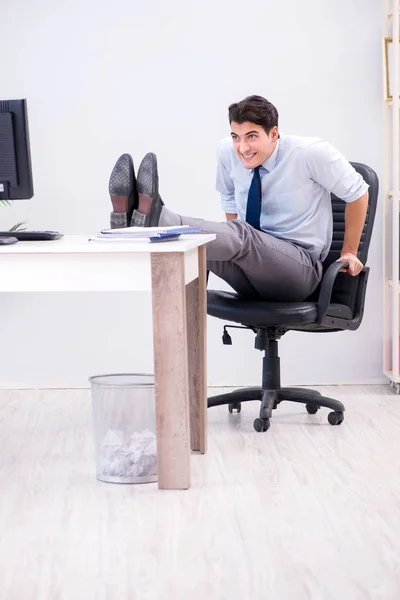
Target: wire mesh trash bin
x=124 y=427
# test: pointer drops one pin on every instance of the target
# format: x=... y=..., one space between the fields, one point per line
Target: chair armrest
x=325 y=292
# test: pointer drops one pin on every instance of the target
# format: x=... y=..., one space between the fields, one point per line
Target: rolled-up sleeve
x=328 y=167
x=225 y=185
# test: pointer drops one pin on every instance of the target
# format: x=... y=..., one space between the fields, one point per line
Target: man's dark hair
x=254 y=109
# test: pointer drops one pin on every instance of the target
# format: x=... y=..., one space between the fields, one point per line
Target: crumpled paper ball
x=136 y=457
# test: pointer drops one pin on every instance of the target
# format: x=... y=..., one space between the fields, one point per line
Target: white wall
x=103 y=78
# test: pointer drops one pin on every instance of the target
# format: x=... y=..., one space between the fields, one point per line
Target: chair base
x=271 y=398
x=271 y=393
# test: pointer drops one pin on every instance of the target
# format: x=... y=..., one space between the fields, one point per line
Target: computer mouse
x=6 y=241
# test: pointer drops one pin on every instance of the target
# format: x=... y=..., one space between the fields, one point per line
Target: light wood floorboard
x=305 y=511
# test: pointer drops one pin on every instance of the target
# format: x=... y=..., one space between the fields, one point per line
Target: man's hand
x=354 y=219
x=355 y=265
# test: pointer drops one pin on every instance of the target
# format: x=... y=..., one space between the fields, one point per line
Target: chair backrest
x=345 y=288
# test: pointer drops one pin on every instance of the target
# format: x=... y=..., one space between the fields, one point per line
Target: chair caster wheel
x=336 y=418
x=235 y=406
x=312 y=409
x=261 y=424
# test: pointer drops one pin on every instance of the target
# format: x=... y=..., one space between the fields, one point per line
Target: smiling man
x=275 y=191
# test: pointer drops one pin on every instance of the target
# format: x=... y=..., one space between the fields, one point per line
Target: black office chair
x=337 y=305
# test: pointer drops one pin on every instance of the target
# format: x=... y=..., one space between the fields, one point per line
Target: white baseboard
x=58 y=385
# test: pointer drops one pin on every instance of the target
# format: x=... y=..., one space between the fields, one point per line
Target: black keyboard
x=31 y=236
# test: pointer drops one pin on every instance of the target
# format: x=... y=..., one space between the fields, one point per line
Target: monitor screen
x=15 y=156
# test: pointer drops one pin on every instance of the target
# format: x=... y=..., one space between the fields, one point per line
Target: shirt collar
x=270 y=163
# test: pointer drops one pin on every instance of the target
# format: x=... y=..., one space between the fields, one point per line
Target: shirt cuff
x=228 y=204
x=358 y=193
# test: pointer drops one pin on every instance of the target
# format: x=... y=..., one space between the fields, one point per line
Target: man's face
x=252 y=144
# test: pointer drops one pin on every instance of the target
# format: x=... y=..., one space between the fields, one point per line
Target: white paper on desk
x=141 y=231
x=118 y=238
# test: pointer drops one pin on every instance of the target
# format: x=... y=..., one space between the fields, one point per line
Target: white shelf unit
x=391 y=189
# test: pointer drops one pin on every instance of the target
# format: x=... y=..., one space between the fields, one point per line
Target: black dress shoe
x=150 y=203
x=123 y=189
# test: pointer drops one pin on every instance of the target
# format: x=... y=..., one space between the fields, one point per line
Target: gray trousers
x=255 y=264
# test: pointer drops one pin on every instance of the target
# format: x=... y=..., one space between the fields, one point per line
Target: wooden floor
x=305 y=511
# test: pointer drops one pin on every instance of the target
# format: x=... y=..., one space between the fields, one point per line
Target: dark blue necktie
x=253 y=209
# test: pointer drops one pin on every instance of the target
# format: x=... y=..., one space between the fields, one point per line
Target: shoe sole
x=147 y=183
x=122 y=186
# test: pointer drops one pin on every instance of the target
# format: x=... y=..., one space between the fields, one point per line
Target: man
x=275 y=190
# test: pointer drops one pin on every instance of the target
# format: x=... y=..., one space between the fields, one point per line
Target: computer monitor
x=15 y=156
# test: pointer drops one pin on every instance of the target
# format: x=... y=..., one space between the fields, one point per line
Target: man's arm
x=329 y=168
x=224 y=183
x=354 y=218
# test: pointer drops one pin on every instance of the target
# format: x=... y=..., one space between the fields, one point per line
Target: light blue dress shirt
x=296 y=182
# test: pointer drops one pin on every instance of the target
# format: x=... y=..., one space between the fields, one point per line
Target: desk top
x=80 y=244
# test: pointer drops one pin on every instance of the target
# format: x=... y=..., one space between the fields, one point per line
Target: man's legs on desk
x=254 y=263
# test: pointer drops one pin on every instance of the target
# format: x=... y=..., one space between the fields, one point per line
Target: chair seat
x=230 y=306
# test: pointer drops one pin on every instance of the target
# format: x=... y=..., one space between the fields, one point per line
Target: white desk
x=175 y=272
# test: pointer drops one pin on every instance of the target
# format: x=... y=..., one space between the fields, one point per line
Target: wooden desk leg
x=196 y=306
x=171 y=370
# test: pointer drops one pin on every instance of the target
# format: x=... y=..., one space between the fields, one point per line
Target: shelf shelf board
x=390 y=284
x=389 y=102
